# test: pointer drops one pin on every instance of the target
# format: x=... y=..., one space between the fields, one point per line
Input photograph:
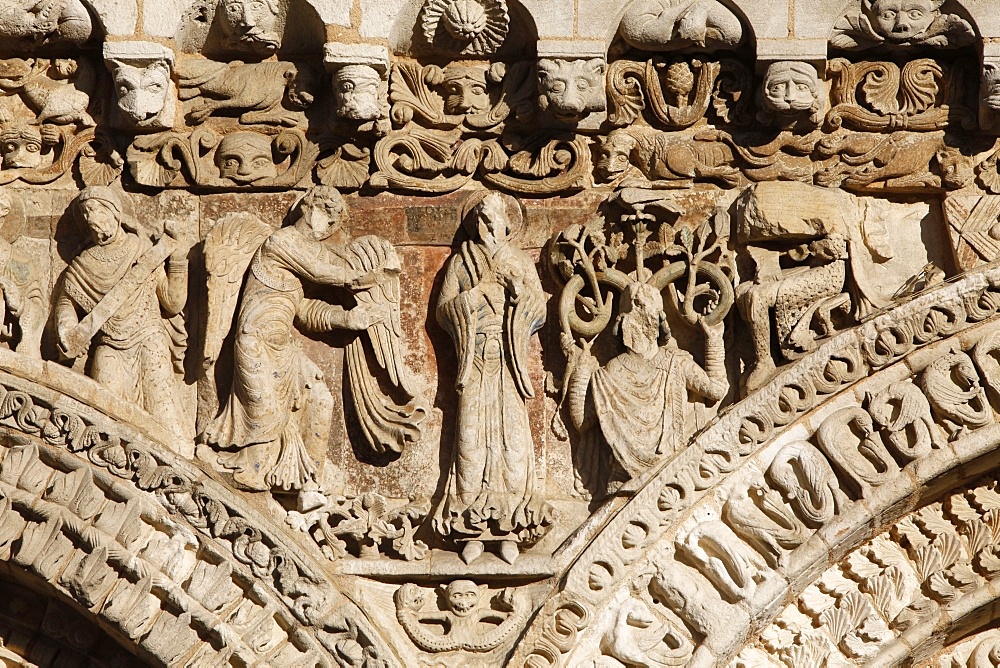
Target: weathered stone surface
x=403 y=333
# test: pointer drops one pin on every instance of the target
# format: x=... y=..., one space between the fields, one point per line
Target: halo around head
x=515 y=214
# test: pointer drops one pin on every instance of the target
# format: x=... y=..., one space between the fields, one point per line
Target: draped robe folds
x=277 y=390
x=135 y=352
x=490 y=487
x=642 y=404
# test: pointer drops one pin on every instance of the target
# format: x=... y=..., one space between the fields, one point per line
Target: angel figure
x=273 y=428
x=491 y=303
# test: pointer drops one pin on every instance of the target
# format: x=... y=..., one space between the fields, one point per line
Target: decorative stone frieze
x=499 y=333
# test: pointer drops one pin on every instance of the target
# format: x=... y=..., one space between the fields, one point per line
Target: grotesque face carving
x=613 y=154
x=463 y=597
x=571 y=89
x=245 y=157
x=465 y=90
x=21 y=147
x=903 y=20
x=356 y=88
x=142 y=91
x=252 y=24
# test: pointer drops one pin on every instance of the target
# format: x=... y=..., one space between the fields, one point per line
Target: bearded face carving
x=571 y=89
x=357 y=89
x=465 y=90
x=21 y=147
x=791 y=96
x=245 y=157
x=251 y=24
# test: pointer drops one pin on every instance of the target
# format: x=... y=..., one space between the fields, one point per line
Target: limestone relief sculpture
x=571 y=89
x=660 y=333
x=678 y=91
x=57 y=90
x=251 y=25
x=29 y=23
x=900 y=23
x=46 y=125
x=273 y=427
x=141 y=73
x=270 y=93
x=473 y=121
x=471 y=618
x=235 y=160
x=24 y=147
x=634 y=410
x=120 y=304
x=360 y=94
x=670 y=25
x=465 y=27
x=835 y=271
x=491 y=303
x=24 y=310
x=792 y=96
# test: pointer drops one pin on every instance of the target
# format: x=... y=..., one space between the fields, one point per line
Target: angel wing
x=229 y=248
x=387 y=424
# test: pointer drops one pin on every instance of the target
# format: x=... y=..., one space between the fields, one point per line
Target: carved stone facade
x=499 y=333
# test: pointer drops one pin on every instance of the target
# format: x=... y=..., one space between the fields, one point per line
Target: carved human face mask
x=245 y=157
x=252 y=23
x=356 y=88
x=465 y=90
x=21 y=147
x=903 y=20
x=463 y=597
x=790 y=87
x=102 y=221
x=142 y=91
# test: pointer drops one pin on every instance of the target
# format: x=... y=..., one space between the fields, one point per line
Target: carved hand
x=712 y=332
x=568 y=344
x=364 y=316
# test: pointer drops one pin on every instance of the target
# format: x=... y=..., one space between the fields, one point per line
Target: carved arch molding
x=459 y=333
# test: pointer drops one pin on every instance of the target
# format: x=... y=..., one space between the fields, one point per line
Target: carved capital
x=141 y=73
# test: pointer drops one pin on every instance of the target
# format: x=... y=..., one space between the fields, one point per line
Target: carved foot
x=472 y=551
x=509 y=551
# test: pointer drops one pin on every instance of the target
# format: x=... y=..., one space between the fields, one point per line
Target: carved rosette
x=465 y=27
